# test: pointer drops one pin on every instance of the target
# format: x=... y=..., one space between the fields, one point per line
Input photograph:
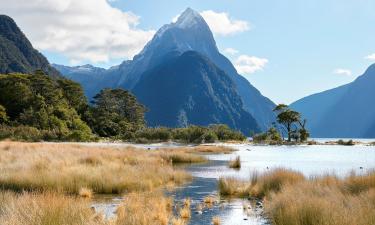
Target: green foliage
x=38 y=102
x=3 y=115
x=116 y=113
x=292 y=123
x=347 y=143
x=272 y=136
x=191 y=134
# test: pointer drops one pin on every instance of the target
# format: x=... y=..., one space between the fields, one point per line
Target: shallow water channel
x=310 y=160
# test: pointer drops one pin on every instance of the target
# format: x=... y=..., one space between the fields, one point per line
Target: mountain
x=189 y=33
x=190 y=89
x=16 y=52
x=344 y=112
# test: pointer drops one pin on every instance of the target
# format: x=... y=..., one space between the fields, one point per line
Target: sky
x=288 y=49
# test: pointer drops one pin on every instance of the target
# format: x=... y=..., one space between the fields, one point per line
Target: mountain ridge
x=17 y=53
x=345 y=111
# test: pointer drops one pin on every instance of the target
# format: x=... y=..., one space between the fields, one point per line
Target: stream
x=312 y=160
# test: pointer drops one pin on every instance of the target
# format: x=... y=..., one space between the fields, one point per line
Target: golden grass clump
x=292 y=199
x=312 y=202
x=273 y=180
x=178 y=221
x=233 y=187
x=176 y=156
x=85 y=193
x=216 y=220
x=235 y=163
x=212 y=149
x=185 y=213
x=209 y=200
x=144 y=209
x=45 y=209
x=69 y=167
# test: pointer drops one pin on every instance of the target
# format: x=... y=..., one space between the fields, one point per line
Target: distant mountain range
x=344 y=112
x=228 y=97
x=16 y=52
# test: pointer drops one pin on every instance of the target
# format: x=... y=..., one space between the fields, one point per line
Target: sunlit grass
x=69 y=168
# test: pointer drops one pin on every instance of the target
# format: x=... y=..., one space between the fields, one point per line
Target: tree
x=73 y=92
x=288 y=118
x=116 y=112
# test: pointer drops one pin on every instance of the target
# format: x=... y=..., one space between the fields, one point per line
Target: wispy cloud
x=344 y=72
x=231 y=51
x=222 y=24
x=371 y=57
x=90 y=30
x=249 y=64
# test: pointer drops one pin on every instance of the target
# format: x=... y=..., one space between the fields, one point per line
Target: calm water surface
x=310 y=160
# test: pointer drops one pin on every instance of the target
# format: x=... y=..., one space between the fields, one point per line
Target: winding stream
x=310 y=160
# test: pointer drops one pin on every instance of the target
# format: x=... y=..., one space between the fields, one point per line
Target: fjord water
x=311 y=160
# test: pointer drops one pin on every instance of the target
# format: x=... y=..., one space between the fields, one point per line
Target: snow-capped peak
x=189 y=18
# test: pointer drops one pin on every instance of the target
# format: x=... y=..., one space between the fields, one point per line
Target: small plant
x=216 y=220
x=236 y=163
x=185 y=213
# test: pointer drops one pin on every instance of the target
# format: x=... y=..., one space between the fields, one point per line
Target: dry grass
x=235 y=163
x=216 y=220
x=68 y=168
x=319 y=203
x=233 y=187
x=45 y=209
x=85 y=193
x=291 y=199
x=150 y=208
x=212 y=149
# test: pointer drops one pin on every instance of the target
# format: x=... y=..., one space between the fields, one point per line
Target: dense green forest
x=35 y=107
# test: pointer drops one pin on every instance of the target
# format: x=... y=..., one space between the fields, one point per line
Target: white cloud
x=222 y=24
x=231 y=51
x=340 y=71
x=249 y=64
x=79 y=29
x=371 y=57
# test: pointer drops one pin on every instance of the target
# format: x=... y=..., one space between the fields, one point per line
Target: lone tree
x=291 y=121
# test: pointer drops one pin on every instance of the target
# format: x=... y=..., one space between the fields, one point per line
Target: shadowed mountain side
x=189 y=89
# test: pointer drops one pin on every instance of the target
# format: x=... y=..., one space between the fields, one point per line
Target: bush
x=272 y=136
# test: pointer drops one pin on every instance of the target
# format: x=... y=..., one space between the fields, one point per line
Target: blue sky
x=310 y=45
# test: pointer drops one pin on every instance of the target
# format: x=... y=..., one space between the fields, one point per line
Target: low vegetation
x=51 y=183
x=191 y=134
x=71 y=168
x=46 y=209
x=235 y=163
x=292 y=199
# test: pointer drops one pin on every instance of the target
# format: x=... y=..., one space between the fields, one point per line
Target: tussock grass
x=259 y=186
x=150 y=208
x=291 y=199
x=46 y=209
x=212 y=149
x=312 y=202
x=68 y=168
x=178 y=156
x=235 y=163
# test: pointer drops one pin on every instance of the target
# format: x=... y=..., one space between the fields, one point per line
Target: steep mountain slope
x=190 y=89
x=189 y=33
x=86 y=74
x=346 y=111
x=16 y=52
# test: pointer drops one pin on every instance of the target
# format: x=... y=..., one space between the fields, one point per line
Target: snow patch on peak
x=189 y=18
